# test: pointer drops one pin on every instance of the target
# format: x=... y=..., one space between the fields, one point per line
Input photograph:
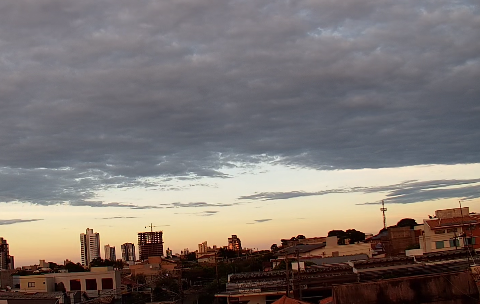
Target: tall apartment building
x=90 y=246
x=128 y=252
x=234 y=243
x=6 y=261
x=150 y=244
x=202 y=247
x=110 y=253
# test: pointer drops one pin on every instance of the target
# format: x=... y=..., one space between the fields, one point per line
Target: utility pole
x=216 y=271
x=383 y=209
x=298 y=276
x=286 y=272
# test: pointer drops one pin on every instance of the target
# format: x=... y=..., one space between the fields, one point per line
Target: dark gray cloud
x=262 y=220
x=16 y=221
x=197 y=205
x=202 y=213
x=403 y=193
x=259 y=221
x=118 y=217
x=102 y=94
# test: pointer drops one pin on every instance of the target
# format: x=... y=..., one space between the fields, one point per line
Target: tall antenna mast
x=383 y=209
x=151 y=227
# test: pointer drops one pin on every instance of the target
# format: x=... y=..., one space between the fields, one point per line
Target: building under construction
x=150 y=244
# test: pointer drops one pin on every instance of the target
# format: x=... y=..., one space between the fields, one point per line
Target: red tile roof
x=287 y=300
x=454 y=221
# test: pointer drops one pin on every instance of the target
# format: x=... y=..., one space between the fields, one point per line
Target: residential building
x=110 y=253
x=90 y=246
x=450 y=229
x=328 y=249
x=6 y=260
x=169 y=253
x=303 y=241
x=128 y=252
x=100 y=281
x=202 y=247
x=6 y=279
x=150 y=244
x=234 y=243
x=394 y=241
x=153 y=266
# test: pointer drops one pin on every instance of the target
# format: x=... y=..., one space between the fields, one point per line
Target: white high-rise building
x=90 y=246
x=110 y=253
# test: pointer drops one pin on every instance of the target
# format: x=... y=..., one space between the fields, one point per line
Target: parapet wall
x=448 y=288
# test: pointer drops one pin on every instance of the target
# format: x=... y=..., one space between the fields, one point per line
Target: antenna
x=151 y=227
x=383 y=209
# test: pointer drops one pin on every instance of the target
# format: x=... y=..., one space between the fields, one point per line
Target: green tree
x=72 y=267
x=407 y=222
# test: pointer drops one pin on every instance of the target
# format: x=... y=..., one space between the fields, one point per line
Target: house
x=450 y=229
x=98 y=282
x=328 y=249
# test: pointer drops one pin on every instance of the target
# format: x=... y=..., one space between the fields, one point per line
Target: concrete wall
x=37 y=283
x=449 y=288
x=332 y=249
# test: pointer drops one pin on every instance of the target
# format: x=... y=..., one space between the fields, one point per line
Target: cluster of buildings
x=322 y=269
x=149 y=244
x=434 y=260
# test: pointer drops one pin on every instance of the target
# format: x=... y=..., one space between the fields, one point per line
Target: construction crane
x=151 y=227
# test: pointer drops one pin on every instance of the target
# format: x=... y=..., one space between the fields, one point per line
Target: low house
x=98 y=282
x=328 y=249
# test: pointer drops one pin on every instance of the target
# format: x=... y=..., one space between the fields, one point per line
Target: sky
x=207 y=118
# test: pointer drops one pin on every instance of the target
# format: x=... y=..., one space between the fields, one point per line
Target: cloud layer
x=16 y=221
x=101 y=94
x=403 y=193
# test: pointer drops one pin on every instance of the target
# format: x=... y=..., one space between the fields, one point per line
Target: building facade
x=110 y=253
x=128 y=252
x=150 y=244
x=97 y=282
x=234 y=243
x=6 y=260
x=90 y=246
x=450 y=229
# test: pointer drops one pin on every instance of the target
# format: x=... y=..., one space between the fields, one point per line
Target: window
x=470 y=241
x=451 y=230
x=107 y=283
x=454 y=243
x=75 y=285
x=439 y=245
x=31 y=284
x=441 y=231
x=91 y=284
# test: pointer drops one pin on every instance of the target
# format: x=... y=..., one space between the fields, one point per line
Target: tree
x=274 y=247
x=192 y=256
x=353 y=235
x=407 y=222
x=72 y=267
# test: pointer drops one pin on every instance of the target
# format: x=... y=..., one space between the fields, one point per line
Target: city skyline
x=214 y=118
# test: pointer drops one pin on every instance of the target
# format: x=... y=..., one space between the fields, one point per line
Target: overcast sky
x=195 y=114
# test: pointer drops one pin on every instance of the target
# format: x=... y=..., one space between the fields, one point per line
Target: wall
x=450 y=288
x=332 y=247
x=41 y=283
